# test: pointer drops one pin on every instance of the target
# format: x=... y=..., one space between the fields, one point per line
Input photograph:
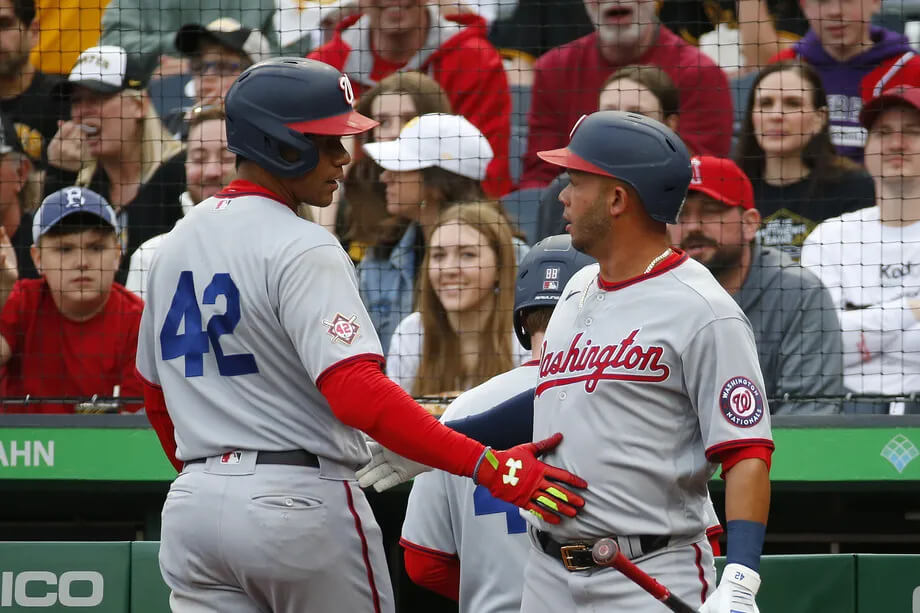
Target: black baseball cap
x=224 y=31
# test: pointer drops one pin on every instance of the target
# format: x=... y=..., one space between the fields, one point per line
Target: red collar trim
x=241 y=187
x=674 y=260
x=531 y=363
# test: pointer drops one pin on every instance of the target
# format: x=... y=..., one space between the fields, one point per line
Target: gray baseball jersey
x=646 y=379
x=247 y=306
x=454 y=516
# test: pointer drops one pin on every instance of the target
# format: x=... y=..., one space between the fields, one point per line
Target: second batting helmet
x=280 y=102
x=541 y=276
x=635 y=149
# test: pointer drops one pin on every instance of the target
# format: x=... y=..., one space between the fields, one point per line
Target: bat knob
x=604 y=551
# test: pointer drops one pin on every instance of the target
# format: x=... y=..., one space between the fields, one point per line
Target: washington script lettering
x=589 y=363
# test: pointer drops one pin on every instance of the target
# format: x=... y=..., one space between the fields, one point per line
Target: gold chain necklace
x=652 y=264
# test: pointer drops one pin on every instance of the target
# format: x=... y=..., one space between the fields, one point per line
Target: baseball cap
x=9 y=137
x=66 y=202
x=721 y=179
x=900 y=95
x=227 y=32
x=109 y=69
x=450 y=142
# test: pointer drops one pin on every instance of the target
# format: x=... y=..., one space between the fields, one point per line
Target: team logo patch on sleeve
x=741 y=402
x=342 y=329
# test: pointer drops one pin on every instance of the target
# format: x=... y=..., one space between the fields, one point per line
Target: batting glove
x=517 y=476
x=735 y=593
x=387 y=469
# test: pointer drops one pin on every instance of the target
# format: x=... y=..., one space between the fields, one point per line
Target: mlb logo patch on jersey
x=342 y=329
x=741 y=402
x=231 y=457
x=223 y=204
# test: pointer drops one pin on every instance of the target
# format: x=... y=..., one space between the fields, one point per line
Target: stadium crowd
x=804 y=119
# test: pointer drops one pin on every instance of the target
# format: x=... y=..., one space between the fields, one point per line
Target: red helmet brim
x=351 y=122
x=567 y=159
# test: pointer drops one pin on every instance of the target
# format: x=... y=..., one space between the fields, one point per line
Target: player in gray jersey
x=259 y=359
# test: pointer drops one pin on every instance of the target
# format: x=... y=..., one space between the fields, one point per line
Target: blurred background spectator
x=72 y=333
x=868 y=259
x=19 y=195
x=791 y=312
x=462 y=334
x=452 y=49
x=25 y=91
x=121 y=148
x=217 y=53
x=844 y=47
x=363 y=222
x=785 y=149
x=209 y=166
x=567 y=79
x=436 y=161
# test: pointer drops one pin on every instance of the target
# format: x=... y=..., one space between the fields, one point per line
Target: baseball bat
x=606 y=552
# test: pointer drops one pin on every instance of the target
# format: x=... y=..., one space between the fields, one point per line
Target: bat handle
x=650 y=585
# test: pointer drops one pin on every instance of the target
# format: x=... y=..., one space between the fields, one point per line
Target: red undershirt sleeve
x=155 y=405
x=362 y=397
x=434 y=571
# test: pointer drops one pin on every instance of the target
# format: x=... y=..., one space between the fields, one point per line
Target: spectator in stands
x=792 y=314
x=785 y=149
x=869 y=258
x=149 y=27
x=363 y=223
x=19 y=194
x=452 y=49
x=72 y=333
x=218 y=53
x=25 y=91
x=843 y=47
x=646 y=90
x=209 y=167
x=462 y=333
x=567 y=80
x=128 y=155
x=437 y=160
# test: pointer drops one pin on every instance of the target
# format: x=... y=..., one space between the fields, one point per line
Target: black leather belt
x=296 y=457
x=577 y=556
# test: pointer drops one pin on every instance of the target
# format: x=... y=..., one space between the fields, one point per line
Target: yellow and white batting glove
x=387 y=469
x=735 y=593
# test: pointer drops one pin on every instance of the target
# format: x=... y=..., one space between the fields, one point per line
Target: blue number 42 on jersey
x=194 y=342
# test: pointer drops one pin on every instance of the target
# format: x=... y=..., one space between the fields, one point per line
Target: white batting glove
x=735 y=593
x=387 y=469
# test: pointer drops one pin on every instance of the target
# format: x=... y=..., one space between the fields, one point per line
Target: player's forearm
x=506 y=425
x=380 y=408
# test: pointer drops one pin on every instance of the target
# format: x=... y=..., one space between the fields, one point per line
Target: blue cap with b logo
x=68 y=201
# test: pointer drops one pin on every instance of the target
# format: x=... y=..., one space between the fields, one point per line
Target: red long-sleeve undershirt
x=155 y=405
x=362 y=397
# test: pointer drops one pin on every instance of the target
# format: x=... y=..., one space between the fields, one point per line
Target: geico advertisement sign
x=41 y=588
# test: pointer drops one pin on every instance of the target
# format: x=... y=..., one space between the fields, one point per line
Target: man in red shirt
x=567 y=81
x=451 y=49
x=72 y=333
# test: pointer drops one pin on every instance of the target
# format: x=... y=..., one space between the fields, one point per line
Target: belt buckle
x=566 y=552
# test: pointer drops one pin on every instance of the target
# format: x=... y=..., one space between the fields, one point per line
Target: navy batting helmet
x=542 y=275
x=640 y=151
x=280 y=102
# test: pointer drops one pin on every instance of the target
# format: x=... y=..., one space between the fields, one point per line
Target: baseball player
x=259 y=360
x=459 y=540
x=651 y=368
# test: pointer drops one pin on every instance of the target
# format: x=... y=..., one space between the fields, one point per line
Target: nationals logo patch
x=342 y=329
x=741 y=402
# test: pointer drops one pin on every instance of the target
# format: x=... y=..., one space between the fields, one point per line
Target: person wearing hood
x=209 y=166
x=844 y=48
x=452 y=49
x=792 y=314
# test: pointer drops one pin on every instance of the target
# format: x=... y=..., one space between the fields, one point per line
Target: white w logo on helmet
x=345 y=86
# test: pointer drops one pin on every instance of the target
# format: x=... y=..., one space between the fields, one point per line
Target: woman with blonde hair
x=123 y=151
x=462 y=333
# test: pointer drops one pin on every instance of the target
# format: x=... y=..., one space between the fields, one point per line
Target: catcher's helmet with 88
x=280 y=102
x=542 y=275
x=635 y=149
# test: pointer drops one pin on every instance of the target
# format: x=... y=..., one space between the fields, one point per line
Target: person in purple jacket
x=843 y=47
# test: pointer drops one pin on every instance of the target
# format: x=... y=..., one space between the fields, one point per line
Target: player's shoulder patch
x=741 y=402
x=342 y=329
